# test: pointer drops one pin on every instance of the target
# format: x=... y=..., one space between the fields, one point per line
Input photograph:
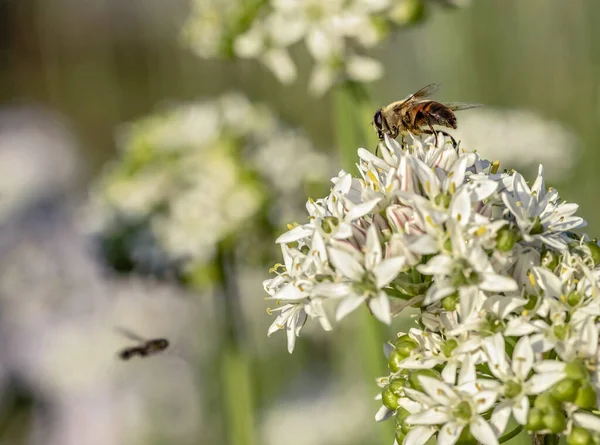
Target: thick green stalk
x=234 y=361
x=352 y=112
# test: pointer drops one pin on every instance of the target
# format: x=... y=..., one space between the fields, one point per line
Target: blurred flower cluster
x=334 y=32
x=521 y=138
x=507 y=294
x=194 y=175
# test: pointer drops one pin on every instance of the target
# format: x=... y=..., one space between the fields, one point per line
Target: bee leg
x=433 y=132
x=454 y=143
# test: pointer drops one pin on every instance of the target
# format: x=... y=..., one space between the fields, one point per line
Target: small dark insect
x=145 y=348
x=151 y=347
x=417 y=114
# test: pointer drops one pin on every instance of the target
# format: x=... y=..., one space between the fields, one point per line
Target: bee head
x=378 y=124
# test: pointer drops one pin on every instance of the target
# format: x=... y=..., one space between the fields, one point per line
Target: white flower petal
x=522 y=359
x=432 y=416
x=346 y=264
x=492 y=282
x=388 y=270
x=449 y=433
x=587 y=421
x=500 y=417
x=380 y=308
x=437 y=390
x=297 y=233
x=383 y=413
x=348 y=305
x=419 y=435
x=521 y=410
x=332 y=290
x=541 y=382
x=361 y=210
x=485 y=400
x=483 y=432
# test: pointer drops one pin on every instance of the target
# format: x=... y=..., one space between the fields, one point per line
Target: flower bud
x=506 y=239
x=555 y=421
x=594 y=251
x=449 y=303
x=535 y=420
x=586 y=396
x=549 y=260
x=546 y=401
x=389 y=399
x=413 y=377
x=576 y=370
x=580 y=436
x=565 y=390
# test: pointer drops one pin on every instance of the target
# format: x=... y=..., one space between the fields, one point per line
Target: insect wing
x=457 y=106
x=426 y=91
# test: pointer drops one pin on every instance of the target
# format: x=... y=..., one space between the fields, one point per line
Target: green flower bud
x=404 y=345
x=532 y=300
x=443 y=200
x=586 y=396
x=449 y=303
x=577 y=371
x=537 y=228
x=546 y=401
x=397 y=386
x=595 y=251
x=565 y=390
x=400 y=435
x=389 y=399
x=555 y=421
x=574 y=298
x=506 y=239
x=560 y=331
x=512 y=389
x=413 y=377
x=549 y=259
x=579 y=436
x=535 y=420
x=448 y=346
x=394 y=360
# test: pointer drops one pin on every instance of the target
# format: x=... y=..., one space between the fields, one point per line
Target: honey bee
x=417 y=114
x=145 y=348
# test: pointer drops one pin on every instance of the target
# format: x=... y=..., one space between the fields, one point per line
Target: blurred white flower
x=520 y=138
x=195 y=173
x=333 y=31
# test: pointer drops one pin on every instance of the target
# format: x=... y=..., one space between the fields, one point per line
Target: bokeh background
x=72 y=72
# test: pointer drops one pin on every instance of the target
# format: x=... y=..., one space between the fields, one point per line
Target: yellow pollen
x=269 y=311
x=480 y=231
x=563 y=298
x=427 y=187
x=452 y=188
x=301 y=288
x=519 y=203
x=525 y=313
x=532 y=279
x=451 y=174
x=280 y=326
x=495 y=167
x=458 y=217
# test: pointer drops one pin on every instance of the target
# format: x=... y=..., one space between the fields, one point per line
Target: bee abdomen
x=441 y=114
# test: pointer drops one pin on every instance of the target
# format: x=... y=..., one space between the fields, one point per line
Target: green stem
x=234 y=361
x=550 y=439
x=511 y=434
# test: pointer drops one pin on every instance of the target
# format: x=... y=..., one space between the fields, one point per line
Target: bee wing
x=130 y=334
x=426 y=91
x=457 y=106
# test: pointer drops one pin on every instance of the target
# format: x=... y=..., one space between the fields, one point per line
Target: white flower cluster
x=331 y=30
x=508 y=295
x=197 y=172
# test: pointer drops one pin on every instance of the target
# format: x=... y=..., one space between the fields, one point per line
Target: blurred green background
x=104 y=62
